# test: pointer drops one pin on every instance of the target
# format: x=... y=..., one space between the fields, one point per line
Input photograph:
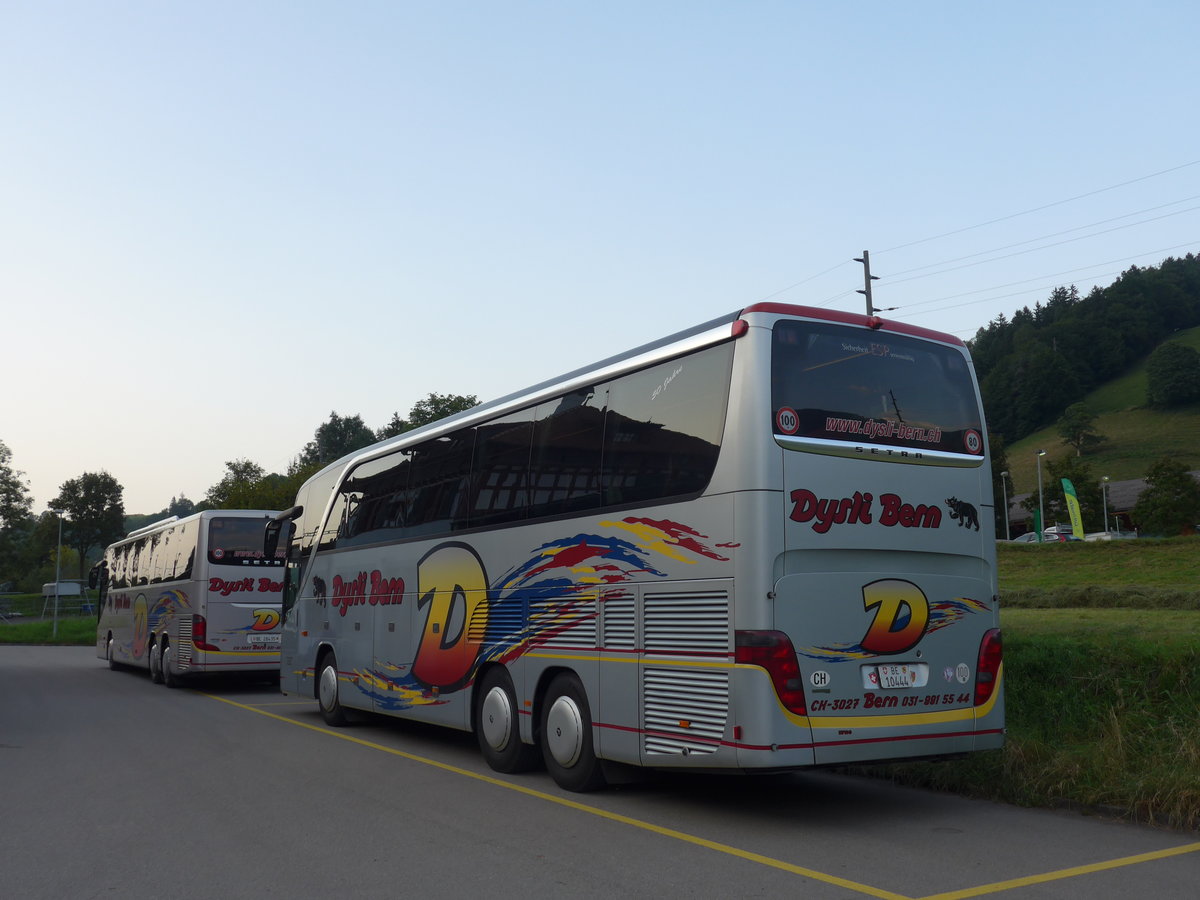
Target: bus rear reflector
x=200 y=634
x=740 y=327
x=773 y=651
x=987 y=669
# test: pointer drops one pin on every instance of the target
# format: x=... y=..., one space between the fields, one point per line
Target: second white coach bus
x=764 y=543
x=191 y=596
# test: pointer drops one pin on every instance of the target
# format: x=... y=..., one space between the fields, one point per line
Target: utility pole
x=865 y=259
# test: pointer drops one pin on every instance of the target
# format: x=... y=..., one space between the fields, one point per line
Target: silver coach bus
x=764 y=543
x=190 y=596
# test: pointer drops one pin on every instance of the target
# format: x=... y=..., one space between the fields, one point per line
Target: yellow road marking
x=275 y=703
x=868 y=890
x=1072 y=872
x=582 y=807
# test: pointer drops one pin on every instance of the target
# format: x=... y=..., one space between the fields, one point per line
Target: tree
x=432 y=408
x=1077 y=428
x=230 y=492
x=246 y=485
x=181 y=506
x=1170 y=504
x=94 y=513
x=1002 y=484
x=16 y=520
x=335 y=438
x=1172 y=376
x=15 y=500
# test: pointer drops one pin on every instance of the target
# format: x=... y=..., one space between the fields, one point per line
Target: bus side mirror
x=275 y=527
x=94 y=575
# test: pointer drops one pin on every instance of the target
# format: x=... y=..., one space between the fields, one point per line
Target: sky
x=222 y=221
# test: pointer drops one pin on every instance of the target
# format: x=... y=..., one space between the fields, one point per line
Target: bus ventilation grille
x=684 y=710
x=183 y=653
x=619 y=612
x=688 y=623
x=565 y=623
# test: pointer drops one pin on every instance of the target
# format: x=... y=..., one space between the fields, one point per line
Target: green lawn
x=1102 y=708
x=1144 y=573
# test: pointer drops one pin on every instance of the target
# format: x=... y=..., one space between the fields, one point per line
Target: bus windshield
x=835 y=383
x=238 y=541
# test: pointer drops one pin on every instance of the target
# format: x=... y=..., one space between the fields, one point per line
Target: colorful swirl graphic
x=518 y=613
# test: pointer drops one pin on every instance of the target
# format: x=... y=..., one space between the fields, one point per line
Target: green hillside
x=1137 y=436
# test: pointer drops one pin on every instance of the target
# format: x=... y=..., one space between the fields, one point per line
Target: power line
x=1058 y=234
x=1082 y=237
x=892 y=280
x=805 y=281
x=1027 y=212
x=1154 y=253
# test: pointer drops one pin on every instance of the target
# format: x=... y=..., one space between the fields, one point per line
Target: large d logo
x=901 y=615
x=452 y=590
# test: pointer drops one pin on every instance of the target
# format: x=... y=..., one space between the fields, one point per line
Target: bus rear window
x=238 y=542
x=841 y=384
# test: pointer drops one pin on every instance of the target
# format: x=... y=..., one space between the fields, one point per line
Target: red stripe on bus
x=849 y=318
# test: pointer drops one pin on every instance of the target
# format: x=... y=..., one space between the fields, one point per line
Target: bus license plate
x=264 y=638
x=894 y=677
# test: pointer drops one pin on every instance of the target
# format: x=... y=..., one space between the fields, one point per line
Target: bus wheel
x=108 y=652
x=166 y=667
x=332 y=710
x=566 y=736
x=498 y=726
x=156 y=673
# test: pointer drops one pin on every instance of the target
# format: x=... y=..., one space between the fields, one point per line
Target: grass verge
x=25 y=624
x=72 y=631
x=1103 y=714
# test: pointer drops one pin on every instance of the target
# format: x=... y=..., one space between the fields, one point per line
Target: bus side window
x=377 y=492
x=500 y=471
x=438 y=486
x=564 y=469
x=664 y=427
x=188 y=546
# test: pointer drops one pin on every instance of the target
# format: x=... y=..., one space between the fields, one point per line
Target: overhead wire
x=1058 y=234
x=1149 y=253
x=1035 y=209
x=892 y=280
x=1082 y=237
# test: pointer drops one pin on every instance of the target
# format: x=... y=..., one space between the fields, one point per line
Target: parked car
x=1048 y=537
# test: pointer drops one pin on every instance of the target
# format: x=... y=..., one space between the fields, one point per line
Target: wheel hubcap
x=564 y=732
x=328 y=687
x=496 y=718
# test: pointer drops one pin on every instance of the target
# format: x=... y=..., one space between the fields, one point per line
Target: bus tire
x=498 y=724
x=166 y=666
x=108 y=652
x=332 y=710
x=156 y=672
x=566 y=736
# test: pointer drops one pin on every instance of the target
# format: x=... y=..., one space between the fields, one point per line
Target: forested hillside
x=1033 y=367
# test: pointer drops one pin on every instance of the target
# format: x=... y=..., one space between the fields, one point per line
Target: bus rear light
x=740 y=327
x=773 y=651
x=200 y=634
x=987 y=669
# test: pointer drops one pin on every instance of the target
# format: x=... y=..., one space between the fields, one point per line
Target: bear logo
x=966 y=514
